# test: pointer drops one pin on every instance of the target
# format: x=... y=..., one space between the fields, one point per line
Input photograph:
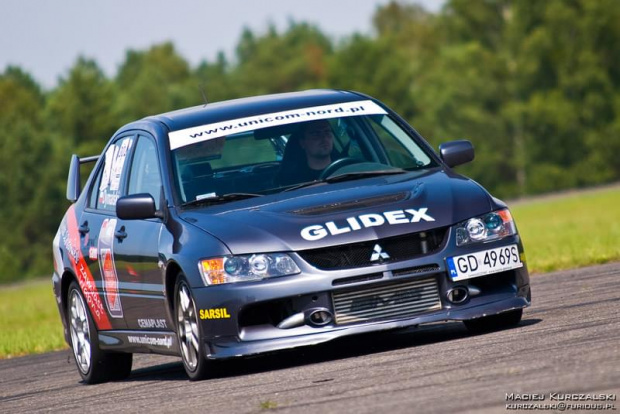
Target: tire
x=93 y=364
x=494 y=322
x=189 y=333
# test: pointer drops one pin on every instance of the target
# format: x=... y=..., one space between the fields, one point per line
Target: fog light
x=458 y=294
x=319 y=317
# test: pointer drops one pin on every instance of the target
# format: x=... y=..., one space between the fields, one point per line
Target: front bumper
x=246 y=318
x=233 y=347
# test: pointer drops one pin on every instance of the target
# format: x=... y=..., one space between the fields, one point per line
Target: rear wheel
x=495 y=322
x=188 y=331
x=94 y=365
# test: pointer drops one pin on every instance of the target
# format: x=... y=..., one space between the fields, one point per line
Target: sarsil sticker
x=215 y=313
x=192 y=135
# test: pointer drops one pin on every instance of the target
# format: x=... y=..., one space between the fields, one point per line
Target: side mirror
x=136 y=207
x=455 y=153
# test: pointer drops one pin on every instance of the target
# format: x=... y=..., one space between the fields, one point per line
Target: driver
x=317 y=142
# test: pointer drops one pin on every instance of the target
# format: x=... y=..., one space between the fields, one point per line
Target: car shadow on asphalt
x=339 y=349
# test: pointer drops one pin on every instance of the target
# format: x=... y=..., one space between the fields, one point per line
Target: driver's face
x=318 y=140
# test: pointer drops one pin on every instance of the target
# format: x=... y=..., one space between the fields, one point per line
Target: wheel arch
x=67 y=278
x=172 y=274
x=65 y=282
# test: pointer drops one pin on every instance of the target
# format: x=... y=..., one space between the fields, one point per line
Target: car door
x=97 y=223
x=136 y=246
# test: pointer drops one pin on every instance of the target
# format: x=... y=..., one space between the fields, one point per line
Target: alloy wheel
x=188 y=327
x=80 y=332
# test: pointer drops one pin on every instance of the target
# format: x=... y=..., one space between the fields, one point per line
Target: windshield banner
x=192 y=135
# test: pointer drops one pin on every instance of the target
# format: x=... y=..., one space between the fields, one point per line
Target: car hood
x=341 y=213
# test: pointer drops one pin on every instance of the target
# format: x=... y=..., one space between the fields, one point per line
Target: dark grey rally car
x=274 y=222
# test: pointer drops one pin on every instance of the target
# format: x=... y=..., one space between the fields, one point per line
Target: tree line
x=535 y=85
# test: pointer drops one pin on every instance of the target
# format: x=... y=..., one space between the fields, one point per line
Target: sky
x=45 y=37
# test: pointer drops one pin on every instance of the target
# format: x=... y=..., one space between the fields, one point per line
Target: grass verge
x=572 y=230
x=559 y=232
x=29 y=320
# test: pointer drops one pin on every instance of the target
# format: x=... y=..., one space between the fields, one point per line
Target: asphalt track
x=568 y=342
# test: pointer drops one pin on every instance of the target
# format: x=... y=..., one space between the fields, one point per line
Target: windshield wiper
x=302 y=185
x=214 y=198
x=362 y=174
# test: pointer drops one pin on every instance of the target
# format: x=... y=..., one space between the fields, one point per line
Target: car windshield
x=212 y=163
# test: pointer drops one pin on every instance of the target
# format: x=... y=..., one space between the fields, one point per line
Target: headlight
x=491 y=226
x=231 y=269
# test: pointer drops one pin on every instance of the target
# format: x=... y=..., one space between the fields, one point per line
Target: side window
x=144 y=176
x=107 y=185
x=93 y=196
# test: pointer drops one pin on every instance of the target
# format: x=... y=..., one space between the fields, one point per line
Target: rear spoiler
x=74 y=183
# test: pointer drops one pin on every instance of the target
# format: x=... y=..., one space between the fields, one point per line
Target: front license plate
x=484 y=263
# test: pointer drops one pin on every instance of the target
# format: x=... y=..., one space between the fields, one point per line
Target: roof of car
x=257 y=105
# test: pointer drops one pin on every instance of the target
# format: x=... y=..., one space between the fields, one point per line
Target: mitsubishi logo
x=378 y=254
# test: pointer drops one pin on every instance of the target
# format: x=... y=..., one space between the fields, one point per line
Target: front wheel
x=188 y=331
x=94 y=365
x=494 y=322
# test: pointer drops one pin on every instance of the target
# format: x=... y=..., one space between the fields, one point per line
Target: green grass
x=573 y=230
x=559 y=232
x=268 y=405
x=29 y=319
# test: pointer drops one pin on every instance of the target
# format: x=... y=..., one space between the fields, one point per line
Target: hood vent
x=351 y=204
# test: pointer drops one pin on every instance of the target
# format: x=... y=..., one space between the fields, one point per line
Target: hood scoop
x=350 y=204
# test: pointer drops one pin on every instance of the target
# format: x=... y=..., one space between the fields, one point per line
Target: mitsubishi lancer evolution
x=273 y=222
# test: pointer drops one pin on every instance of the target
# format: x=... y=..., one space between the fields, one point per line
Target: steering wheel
x=336 y=165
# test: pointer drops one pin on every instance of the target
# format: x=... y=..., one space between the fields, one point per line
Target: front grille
x=394 y=301
x=398 y=248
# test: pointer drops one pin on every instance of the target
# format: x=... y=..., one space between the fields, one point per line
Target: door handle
x=83 y=229
x=120 y=234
